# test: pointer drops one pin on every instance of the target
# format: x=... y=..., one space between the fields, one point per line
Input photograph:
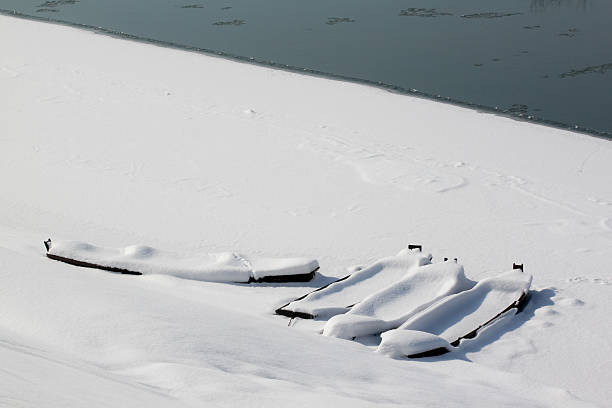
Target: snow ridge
x=212 y=267
x=340 y=296
x=391 y=306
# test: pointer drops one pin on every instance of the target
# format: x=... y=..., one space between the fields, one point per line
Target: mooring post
x=414 y=246
x=517 y=266
x=47 y=244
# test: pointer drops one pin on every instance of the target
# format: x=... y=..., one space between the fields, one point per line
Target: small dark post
x=445 y=259
x=517 y=266
x=47 y=244
x=455 y=259
x=413 y=246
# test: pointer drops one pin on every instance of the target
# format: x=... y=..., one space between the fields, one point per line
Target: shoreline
x=318 y=74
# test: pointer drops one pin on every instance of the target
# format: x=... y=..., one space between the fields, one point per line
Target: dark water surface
x=546 y=59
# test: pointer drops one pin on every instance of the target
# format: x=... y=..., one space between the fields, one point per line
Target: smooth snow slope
x=116 y=142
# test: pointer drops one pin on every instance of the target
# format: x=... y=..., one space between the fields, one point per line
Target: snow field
x=169 y=339
x=124 y=142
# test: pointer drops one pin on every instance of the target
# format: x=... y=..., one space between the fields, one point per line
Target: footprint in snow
x=571 y=302
x=582 y=279
x=606 y=224
x=546 y=312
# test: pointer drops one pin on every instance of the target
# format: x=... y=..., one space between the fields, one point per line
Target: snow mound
x=343 y=294
x=463 y=314
x=391 y=306
x=215 y=267
x=348 y=326
x=411 y=343
x=268 y=268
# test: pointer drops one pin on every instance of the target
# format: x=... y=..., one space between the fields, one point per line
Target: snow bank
x=390 y=307
x=343 y=294
x=460 y=315
x=172 y=342
x=219 y=267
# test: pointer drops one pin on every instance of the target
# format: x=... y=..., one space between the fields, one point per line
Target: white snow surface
x=115 y=142
x=402 y=343
x=459 y=314
x=214 y=267
x=340 y=296
x=391 y=306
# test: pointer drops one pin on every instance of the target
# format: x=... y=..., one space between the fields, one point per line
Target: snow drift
x=219 y=267
x=462 y=315
x=338 y=297
x=390 y=307
x=412 y=344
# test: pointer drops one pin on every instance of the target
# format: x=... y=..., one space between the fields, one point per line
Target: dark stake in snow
x=86 y=264
x=291 y=314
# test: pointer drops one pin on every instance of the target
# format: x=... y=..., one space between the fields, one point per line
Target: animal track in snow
x=571 y=302
x=566 y=227
x=521 y=185
x=512 y=349
x=546 y=312
x=606 y=224
x=583 y=279
x=599 y=201
x=296 y=212
x=540 y=324
x=6 y=72
x=389 y=165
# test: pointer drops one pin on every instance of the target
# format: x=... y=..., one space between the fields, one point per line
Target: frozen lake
x=546 y=59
